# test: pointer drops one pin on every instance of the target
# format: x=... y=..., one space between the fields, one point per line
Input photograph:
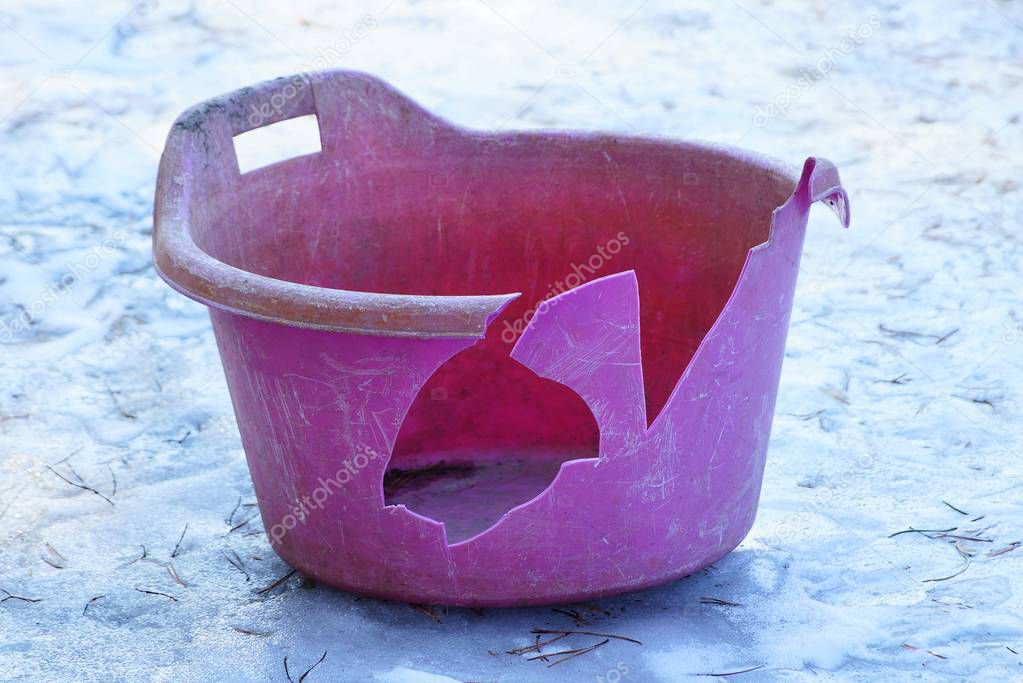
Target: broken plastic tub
x=488 y=368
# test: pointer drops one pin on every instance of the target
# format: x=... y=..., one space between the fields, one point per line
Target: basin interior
x=531 y=213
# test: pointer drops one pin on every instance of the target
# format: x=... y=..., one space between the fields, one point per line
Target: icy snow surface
x=900 y=388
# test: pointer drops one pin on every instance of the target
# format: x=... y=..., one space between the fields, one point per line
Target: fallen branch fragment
x=59 y=562
x=82 y=486
x=734 y=673
x=428 y=611
x=910 y=334
x=547 y=631
x=954 y=507
x=89 y=604
x=836 y=394
x=537 y=646
x=965 y=538
x=51 y=562
x=966 y=565
x=181 y=440
x=276 y=583
x=978 y=400
x=808 y=416
x=302 y=677
x=113 y=481
x=719 y=601
x=238 y=526
x=560 y=634
x=250 y=632
x=594 y=608
x=933 y=654
x=177 y=546
x=911 y=530
x=575 y=615
x=117 y=404
x=11 y=596
x=230 y=518
x=144 y=555
x=237 y=563
x=147 y=592
x=174 y=574
x=568 y=654
x=1007 y=549
x=901 y=379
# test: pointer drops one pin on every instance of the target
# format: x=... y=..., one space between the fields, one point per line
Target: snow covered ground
x=900 y=398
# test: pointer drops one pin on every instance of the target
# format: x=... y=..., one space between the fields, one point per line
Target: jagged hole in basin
x=483 y=436
x=471 y=491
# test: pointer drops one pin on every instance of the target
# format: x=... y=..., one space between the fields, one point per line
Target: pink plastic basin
x=484 y=368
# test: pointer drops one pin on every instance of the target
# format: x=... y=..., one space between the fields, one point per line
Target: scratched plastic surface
x=409 y=434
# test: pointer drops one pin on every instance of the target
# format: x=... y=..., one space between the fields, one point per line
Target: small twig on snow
x=276 y=583
x=11 y=596
x=83 y=486
x=147 y=592
x=734 y=673
x=177 y=546
x=954 y=507
x=302 y=677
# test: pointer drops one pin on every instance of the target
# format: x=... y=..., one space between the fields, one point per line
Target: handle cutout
x=277 y=142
